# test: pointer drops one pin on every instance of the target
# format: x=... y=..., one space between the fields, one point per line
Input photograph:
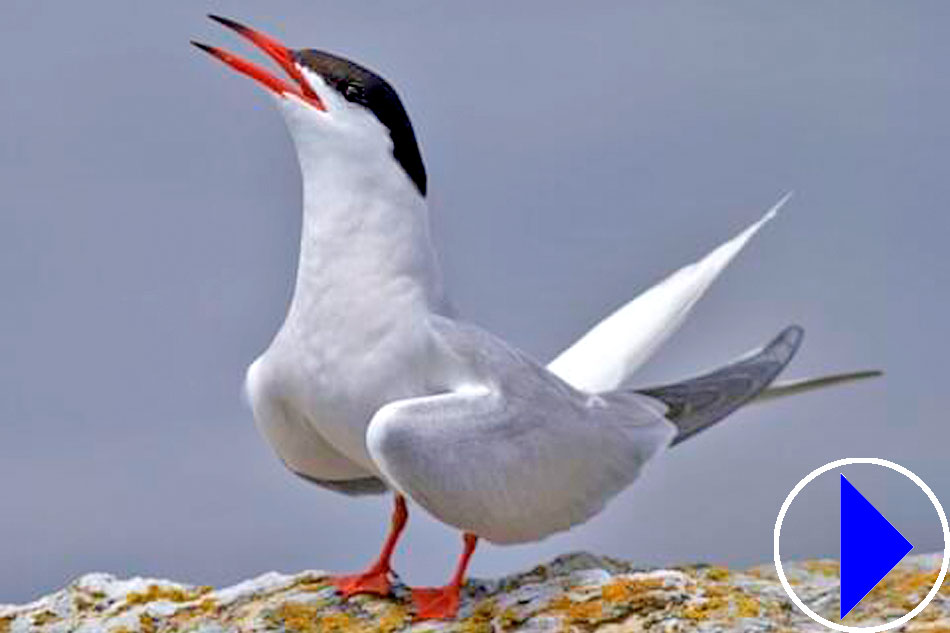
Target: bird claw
x=436 y=603
x=374 y=582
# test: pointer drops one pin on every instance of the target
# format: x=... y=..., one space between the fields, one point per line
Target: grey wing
x=698 y=403
x=517 y=458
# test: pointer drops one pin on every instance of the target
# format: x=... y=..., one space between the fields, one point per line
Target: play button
x=870 y=547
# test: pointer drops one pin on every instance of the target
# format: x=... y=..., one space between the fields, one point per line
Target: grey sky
x=576 y=153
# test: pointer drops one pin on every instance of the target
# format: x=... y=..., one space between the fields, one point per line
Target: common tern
x=372 y=385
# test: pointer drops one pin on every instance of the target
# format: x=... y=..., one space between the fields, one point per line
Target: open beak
x=276 y=51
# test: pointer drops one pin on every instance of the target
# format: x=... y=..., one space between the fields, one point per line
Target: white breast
x=355 y=336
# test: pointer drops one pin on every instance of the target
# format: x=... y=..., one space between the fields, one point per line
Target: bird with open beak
x=372 y=385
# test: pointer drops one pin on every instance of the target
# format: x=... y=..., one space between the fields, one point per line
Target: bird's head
x=332 y=104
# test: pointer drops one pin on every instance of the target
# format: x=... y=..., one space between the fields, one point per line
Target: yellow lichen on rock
x=747 y=606
x=147 y=623
x=296 y=617
x=45 y=617
x=480 y=621
x=630 y=590
x=157 y=593
x=577 y=593
x=393 y=619
x=578 y=612
x=899 y=592
x=206 y=607
x=337 y=623
x=509 y=619
x=706 y=607
x=722 y=601
x=830 y=568
x=717 y=574
x=904 y=589
x=617 y=600
x=311 y=583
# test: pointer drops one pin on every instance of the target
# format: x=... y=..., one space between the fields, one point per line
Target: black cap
x=361 y=85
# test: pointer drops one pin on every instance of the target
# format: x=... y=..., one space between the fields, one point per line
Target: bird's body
x=371 y=384
x=367 y=327
x=354 y=337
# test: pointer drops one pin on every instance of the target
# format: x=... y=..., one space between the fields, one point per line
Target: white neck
x=365 y=244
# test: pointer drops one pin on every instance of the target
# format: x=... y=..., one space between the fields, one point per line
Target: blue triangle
x=870 y=547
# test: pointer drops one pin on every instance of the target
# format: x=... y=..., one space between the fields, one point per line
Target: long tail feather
x=804 y=385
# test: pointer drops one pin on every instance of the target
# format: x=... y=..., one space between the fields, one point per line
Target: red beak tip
x=274 y=49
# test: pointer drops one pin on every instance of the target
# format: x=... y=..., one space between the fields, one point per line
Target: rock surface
x=576 y=592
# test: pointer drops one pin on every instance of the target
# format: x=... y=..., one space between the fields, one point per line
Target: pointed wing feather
x=698 y=403
x=610 y=352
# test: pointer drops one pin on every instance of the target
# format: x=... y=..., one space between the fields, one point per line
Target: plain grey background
x=577 y=152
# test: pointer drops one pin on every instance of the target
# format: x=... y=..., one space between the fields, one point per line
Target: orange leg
x=435 y=603
x=375 y=580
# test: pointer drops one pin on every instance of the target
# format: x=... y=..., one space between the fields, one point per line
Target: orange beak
x=276 y=51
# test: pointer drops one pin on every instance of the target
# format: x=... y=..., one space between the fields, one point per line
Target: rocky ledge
x=576 y=592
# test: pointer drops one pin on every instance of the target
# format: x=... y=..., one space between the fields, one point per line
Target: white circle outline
x=847 y=461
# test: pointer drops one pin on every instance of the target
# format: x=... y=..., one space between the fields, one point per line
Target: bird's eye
x=352 y=92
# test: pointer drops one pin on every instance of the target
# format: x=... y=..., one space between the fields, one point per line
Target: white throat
x=365 y=244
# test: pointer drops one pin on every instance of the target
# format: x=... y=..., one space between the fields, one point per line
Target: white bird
x=371 y=385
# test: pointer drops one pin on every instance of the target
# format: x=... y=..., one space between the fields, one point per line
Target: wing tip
x=769 y=215
x=791 y=335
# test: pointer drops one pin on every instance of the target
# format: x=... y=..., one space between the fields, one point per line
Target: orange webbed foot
x=374 y=582
x=436 y=603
